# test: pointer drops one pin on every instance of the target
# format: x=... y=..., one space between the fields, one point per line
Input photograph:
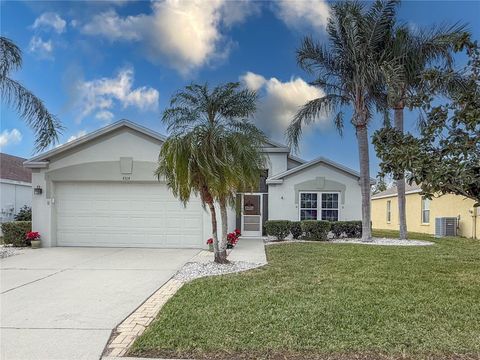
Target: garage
x=116 y=214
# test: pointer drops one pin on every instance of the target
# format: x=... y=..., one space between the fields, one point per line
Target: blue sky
x=96 y=62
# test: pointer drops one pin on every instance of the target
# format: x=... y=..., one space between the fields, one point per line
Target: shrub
x=349 y=229
x=14 y=232
x=315 y=230
x=278 y=228
x=24 y=214
x=296 y=229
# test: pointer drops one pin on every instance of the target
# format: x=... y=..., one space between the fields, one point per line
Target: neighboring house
x=15 y=186
x=421 y=212
x=99 y=190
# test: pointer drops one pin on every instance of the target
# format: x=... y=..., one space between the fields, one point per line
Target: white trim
x=15 y=182
x=422 y=209
x=393 y=195
x=389 y=211
x=274 y=150
x=278 y=179
x=319 y=203
x=36 y=164
x=109 y=128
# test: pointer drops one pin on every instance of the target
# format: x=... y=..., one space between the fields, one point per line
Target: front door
x=252 y=214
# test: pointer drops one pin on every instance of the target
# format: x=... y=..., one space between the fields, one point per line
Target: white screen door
x=252 y=215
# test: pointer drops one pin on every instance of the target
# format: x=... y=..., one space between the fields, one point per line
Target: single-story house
x=15 y=186
x=422 y=212
x=99 y=190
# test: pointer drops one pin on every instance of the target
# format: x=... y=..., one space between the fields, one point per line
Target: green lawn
x=330 y=301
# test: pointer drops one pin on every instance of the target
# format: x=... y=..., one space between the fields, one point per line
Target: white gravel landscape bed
x=195 y=270
x=6 y=251
x=375 y=241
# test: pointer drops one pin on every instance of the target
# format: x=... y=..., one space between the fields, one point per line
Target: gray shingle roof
x=11 y=168
x=393 y=190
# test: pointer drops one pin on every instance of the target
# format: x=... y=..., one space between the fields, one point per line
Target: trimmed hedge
x=349 y=229
x=14 y=232
x=316 y=230
x=278 y=228
x=296 y=229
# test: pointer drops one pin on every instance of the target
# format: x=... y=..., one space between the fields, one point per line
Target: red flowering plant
x=232 y=238
x=210 y=241
x=32 y=235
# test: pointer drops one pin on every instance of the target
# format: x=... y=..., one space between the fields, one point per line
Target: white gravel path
x=384 y=241
x=375 y=241
x=6 y=251
x=194 y=270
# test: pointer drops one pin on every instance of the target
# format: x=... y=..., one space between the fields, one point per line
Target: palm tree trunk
x=362 y=138
x=402 y=217
x=223 y=243
x=213 y=215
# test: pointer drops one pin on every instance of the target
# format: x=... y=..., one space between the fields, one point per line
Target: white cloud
x=11 y=137
x=52 y=20
x=101 y=95
x=104 y=115
x=185 y=34
x=43 y=49
x=77 y=135
x=280 y=101
x=298 y=13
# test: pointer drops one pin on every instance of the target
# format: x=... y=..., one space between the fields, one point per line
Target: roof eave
x=36 y=164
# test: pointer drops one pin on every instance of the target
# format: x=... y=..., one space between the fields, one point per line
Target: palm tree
x=183 y=175
x=30 y=108
x=224 y=147
x=349 y=70
x=414 y=52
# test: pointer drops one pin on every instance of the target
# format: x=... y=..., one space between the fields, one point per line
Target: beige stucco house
x=100 y=190
x=421 y=212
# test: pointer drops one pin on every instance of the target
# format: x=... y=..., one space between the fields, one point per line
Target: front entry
x=252 y=215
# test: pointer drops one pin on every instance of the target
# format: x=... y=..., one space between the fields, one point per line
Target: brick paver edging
x=134 y=325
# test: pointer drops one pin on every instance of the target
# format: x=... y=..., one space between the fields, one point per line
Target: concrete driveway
x=62 y=303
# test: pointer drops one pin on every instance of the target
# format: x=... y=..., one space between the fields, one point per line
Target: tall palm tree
x=414 y=52
x=30 y=108
x=349 y=70
x=224 y=147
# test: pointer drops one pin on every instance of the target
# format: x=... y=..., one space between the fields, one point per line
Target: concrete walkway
x=249 y=250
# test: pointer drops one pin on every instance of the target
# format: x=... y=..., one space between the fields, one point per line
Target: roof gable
x=127 y=124
x=279 y=177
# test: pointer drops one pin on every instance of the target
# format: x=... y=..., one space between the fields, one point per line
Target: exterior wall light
x=37 y=190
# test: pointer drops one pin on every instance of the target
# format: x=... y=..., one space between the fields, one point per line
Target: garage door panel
x=125 y=214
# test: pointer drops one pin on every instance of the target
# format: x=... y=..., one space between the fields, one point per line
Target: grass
x=330 y=301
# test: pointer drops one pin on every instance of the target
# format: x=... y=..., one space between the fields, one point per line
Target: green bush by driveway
x=14 y=232
x=330 y=301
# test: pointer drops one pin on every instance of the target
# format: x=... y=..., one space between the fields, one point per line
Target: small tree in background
x=24 y=214
x=445 y=157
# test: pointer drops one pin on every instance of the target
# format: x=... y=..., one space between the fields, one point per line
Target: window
x=425 y=211
x=389 y=211
x=330 y=207
x=312 y=209
x=308 y=206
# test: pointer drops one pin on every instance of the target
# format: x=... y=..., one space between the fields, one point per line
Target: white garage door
x=125 y=215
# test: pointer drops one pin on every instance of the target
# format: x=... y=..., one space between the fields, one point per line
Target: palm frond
x=10 y=56
x=45 y=125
